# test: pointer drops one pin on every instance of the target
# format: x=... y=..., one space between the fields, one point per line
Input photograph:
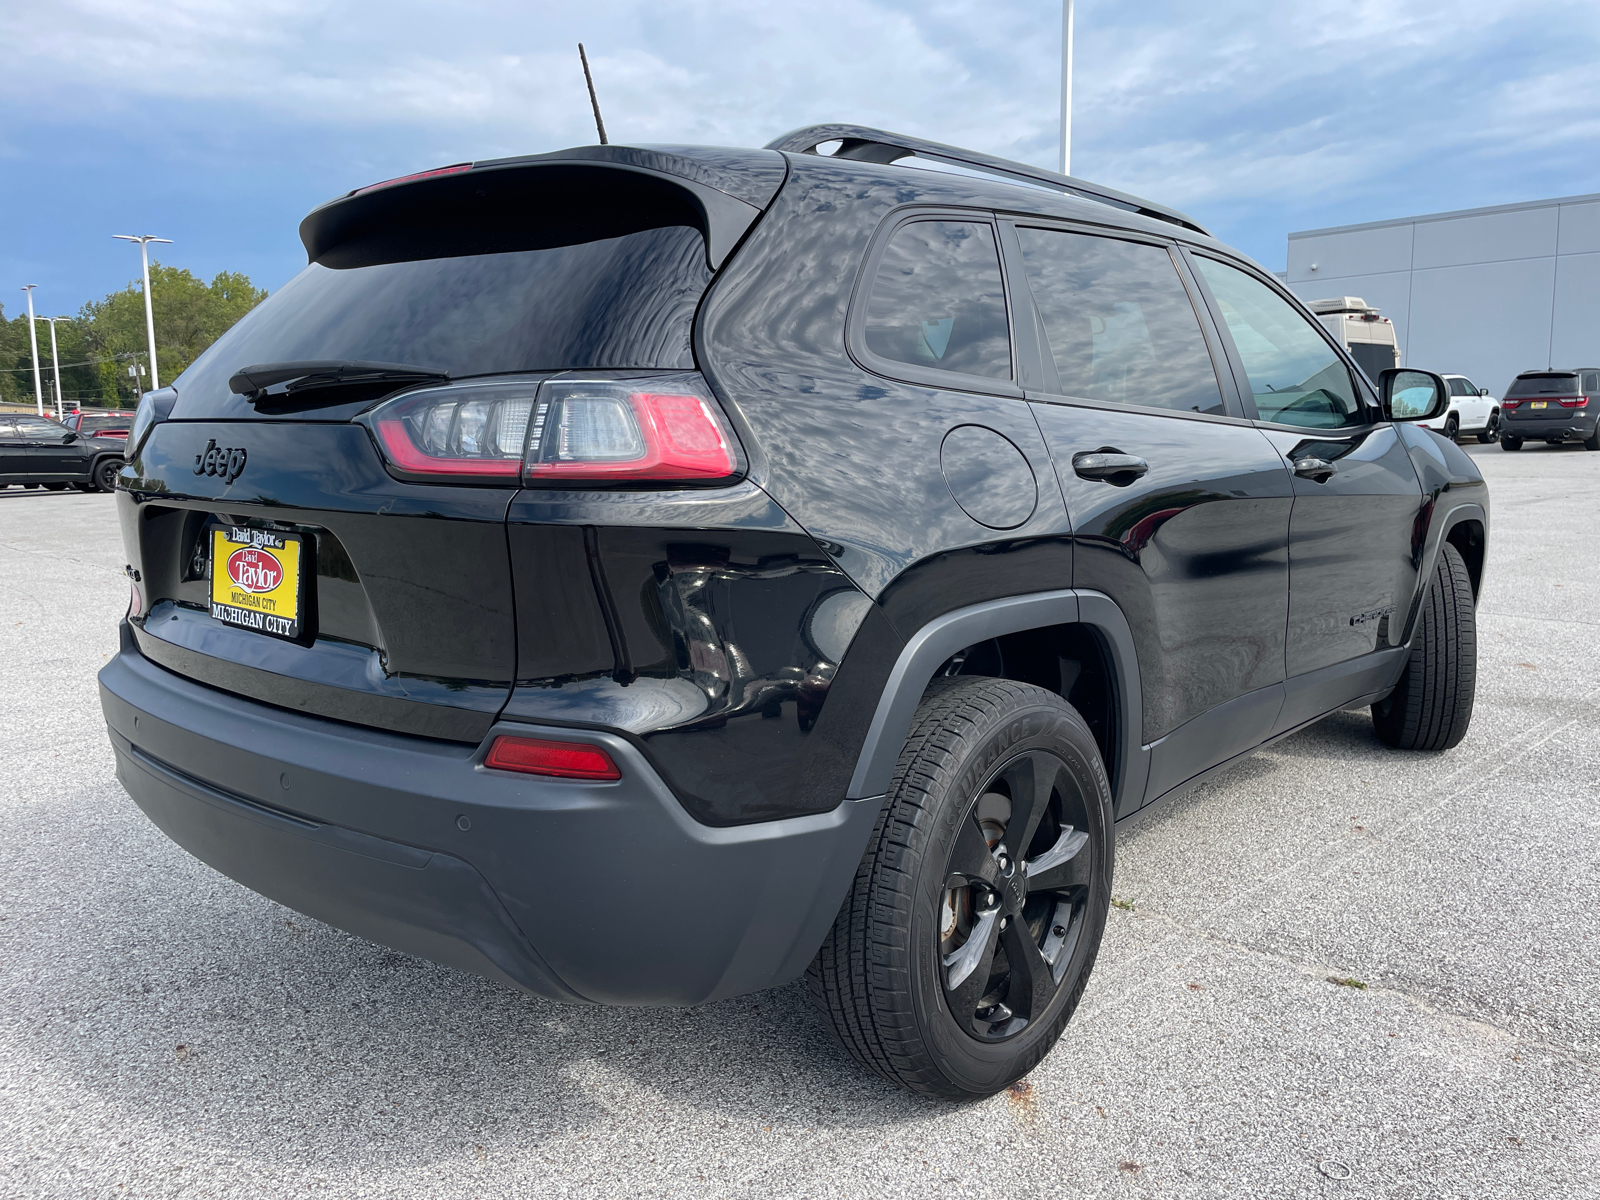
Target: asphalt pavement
x=165 y=1032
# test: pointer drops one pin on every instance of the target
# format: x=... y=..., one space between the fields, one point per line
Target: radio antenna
x=589 y=79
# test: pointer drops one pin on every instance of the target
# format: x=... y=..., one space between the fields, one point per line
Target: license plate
x=1539 y=404
x=256 y=580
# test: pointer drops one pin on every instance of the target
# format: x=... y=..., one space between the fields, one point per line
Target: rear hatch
x=1543 y=396
x=280 y=554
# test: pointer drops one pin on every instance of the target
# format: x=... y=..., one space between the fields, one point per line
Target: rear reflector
x=536 y=756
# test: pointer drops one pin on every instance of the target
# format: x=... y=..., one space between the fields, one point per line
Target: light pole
x=55 y=359
x=144 y=240
x=1066 y=87
x=33 y=344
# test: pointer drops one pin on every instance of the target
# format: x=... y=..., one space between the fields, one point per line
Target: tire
x=1592 y=442
x=1431 y=706
x=1507 y=442
x=1452 y=428
x=1491 y=431
x=883 y=976
x=105 y=474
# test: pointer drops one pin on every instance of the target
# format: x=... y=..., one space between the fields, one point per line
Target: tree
x=107 y=336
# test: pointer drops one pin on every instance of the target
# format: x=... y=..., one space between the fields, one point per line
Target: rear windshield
x=1563 y=383
x=626 y=301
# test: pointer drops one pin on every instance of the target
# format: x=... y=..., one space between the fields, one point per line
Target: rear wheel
x=1592 y=442
x=1431 y=706
x=1507 y=442
x=977 y=911
x=1491 y=431
x=105 y=474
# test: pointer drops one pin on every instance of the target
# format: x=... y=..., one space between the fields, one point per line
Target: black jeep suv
x=643 y=575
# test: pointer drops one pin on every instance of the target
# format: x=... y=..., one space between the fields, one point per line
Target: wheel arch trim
x=943 y=636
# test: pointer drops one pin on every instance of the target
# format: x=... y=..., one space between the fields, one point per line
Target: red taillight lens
x=604 y=431
x=1574 y=401
x=468 y=433
x=1509 y=403
x=536 y=756
x=564 y=432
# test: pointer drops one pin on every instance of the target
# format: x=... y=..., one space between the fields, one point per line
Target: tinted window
x=937 y=301
x=1295 y=376
x=624 y=301
x=37 y=429
x=1553 y=383
x=1460 y=387
x=95 y=424
x=1374 y=358
x=1120 y=324
x=1591 y=382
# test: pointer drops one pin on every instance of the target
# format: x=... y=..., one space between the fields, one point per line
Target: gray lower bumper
x=604 y=892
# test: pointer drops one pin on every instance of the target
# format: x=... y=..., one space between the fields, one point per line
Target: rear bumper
x=1540 y=428
x=578 y=891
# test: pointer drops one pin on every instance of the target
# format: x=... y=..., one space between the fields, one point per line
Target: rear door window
x=1119 y=321
x=1460 y=387
x=937 y=303
x=1295 y=376
x=1591 y=382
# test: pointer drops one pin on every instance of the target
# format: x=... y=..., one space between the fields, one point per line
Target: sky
x=220 y=123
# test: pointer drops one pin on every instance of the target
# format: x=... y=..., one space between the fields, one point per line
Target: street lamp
x=55 y=360
x=1066 y=87
x=33 y=344
x=144 y=240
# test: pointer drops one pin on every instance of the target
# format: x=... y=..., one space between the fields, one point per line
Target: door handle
x=1109 y=465
x=1318 y=470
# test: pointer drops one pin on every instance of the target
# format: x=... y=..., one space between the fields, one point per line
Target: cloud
x=1256 y=117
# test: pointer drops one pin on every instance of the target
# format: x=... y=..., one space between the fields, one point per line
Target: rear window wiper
x=253 y=382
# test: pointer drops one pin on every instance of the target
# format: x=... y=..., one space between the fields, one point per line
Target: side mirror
x=1483 y=391
x=68 y=437
x=1411 y=395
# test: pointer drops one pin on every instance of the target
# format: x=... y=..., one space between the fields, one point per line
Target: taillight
x=571 y=430
x=1574 y=401
x=135 y=601
x=1509 y=403
x=606 y=430
x=538 y=756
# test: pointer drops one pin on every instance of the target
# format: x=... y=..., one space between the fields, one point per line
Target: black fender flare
x=945 y=635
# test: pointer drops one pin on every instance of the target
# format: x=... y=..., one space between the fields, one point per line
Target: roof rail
x=864 y=144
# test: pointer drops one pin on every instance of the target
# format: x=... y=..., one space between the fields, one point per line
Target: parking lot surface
x=165 y=1032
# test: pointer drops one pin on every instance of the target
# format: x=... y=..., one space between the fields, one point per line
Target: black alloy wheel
x=977 y=911
x=105 y=474
x=1491 y=431
x=1452 y=427
x=1010 y=919
x=1507 y=442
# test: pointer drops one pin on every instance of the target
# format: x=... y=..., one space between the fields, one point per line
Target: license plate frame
x=257 y=580
x=1538 y=404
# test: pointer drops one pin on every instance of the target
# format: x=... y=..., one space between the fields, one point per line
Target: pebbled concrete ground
x=164 y=1032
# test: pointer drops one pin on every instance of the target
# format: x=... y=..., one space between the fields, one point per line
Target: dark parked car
x=1552 y=406
x=649 y=575
x=39 y=452
x=101 y=423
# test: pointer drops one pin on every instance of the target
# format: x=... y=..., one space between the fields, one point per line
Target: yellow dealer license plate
x=256 y=581
x=1540 y=404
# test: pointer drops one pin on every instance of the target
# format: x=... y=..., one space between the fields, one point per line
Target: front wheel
x=1491 y=431
x=1431 y=706
x=977 y=911
x=1452 y=428
x=1507 y=442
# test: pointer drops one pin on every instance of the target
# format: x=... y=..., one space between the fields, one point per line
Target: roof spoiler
x=863 y=144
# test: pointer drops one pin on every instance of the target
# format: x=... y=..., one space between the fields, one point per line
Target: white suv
x=1472 y=410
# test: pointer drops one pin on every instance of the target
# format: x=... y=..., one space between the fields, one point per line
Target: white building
x=1486 y=292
